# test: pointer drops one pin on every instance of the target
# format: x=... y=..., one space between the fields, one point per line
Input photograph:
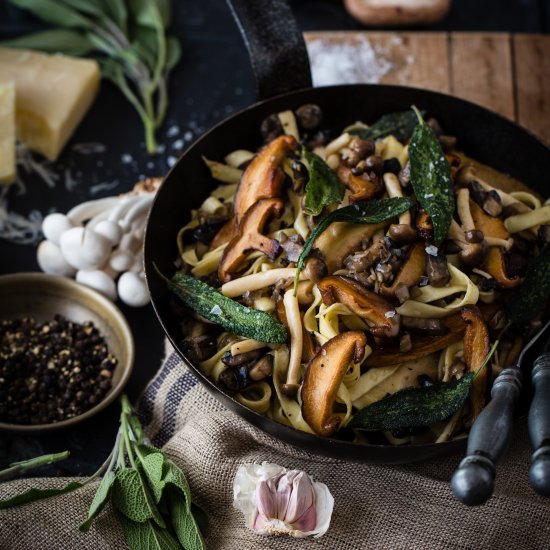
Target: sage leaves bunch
x=431 y=177
x=148 y=491
x=128 y=39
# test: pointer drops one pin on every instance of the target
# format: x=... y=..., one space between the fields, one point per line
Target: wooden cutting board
x=509 y=74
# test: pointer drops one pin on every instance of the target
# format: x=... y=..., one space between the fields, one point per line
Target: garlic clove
x=51 y=260
x=84 y=248
x=54 y=225
x=132 y=289
x=276 y=501
x=98 y=280
x=110 y=230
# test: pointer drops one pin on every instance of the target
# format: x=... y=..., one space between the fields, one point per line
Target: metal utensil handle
x=276 y=46
x=539 y=426
x=474 y=479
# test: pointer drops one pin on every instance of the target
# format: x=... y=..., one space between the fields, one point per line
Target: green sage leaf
x=401 y=125
x=153 y=466
x=18 y=468
x=184 y=524
x=100 y=499
x=63 y=41
x=117 y=11
x=532 y=295
x=131 y=496
x=431 y=177
x=55 y=13
x=374 y=211
x=173 y=53
x=323 y=187
x=147 y=535
x=176 y=479
x=94 y=8
x=148 y=13
x=414 y=407
x=232 y=316
x=33 y=495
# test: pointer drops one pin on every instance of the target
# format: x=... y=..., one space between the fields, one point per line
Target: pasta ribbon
x=213 y=367
x=291 y=408
x=256 y=397
x=459 y=283
x=209 y=262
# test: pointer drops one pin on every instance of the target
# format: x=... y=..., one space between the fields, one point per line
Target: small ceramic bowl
x=42 y=296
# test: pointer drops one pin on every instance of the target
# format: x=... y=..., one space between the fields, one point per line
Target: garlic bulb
x=277 y=501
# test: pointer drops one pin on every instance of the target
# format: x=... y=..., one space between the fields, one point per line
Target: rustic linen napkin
x=376 y=507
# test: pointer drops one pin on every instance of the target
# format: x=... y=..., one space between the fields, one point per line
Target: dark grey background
x=212 y=81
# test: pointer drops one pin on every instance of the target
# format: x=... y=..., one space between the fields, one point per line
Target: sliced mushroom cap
x=341 y=239
x=380 y=314
x=362 y=187
x=410 y=272
x=490 y=226
x=495 y=265
x=263 y=178
x=225 y=234
x=476 y=348
x=421 y=345
x=249 y=237
x=424 y=225
x=323 y=377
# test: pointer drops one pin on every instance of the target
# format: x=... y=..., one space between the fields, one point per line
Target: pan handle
x=275 y=44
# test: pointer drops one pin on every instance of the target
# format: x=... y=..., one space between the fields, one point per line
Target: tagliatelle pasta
x=359 y=308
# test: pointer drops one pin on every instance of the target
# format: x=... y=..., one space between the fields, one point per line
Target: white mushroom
x=54 y=225
x=109 y=229
x=84 y=248
x=121 y=260
x=98 y=280
x=50 y=260
x=90 y=209
x=132 y=289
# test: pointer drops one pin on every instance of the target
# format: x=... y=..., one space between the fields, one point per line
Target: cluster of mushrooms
x=99 y=243
x=370 y=269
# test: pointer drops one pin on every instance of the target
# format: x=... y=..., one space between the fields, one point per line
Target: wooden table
x=509 y=74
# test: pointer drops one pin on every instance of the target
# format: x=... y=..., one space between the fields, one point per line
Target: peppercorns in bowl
x=66 y=352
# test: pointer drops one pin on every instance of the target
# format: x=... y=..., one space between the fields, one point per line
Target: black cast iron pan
x=280 y=63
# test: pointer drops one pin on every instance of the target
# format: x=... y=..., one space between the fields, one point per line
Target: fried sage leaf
x=414 y=407
x=401 y=125
x=323 y=187
x=374 y=211
x=532 y=295
x=431 y=177
x=232 y=316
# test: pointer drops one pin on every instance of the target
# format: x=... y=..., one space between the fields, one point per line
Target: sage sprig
x=374 y=211
x=531 y=296
x=431 y=177
x=323 y=187
x=400 y=124
x=148 y=491
x=127 y=37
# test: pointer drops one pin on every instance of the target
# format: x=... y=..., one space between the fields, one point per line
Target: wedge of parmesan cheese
x=52 y=95
x=7 y=132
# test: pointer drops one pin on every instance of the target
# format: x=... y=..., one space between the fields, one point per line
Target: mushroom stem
x=393 y=187
x=294 y=321
x=463 y=208
x=90 y=209
x=507 y=244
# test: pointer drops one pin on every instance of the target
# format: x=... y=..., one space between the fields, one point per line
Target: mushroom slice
x=323 y=377
x=309 y=345
x=421 y=345
x=362 y=302
x=263 y=178
x=495 y=265
x=249 y=237
x=411 y=271
x=224 y=235
x=362 y=187
x=490 y=226
x=476 y=348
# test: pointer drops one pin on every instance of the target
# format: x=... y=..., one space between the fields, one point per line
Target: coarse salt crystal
x=171 y=161
x=216 y=310
x=431 y=250
x=173 y=131
x=389 y=314
x=126 y=158
x=178 y=144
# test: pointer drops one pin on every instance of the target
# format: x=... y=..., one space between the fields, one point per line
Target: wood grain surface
x=508 y=73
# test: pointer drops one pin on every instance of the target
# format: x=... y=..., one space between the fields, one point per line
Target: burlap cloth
x=375 y=506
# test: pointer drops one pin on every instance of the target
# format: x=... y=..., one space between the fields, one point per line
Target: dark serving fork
x=474 y=479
